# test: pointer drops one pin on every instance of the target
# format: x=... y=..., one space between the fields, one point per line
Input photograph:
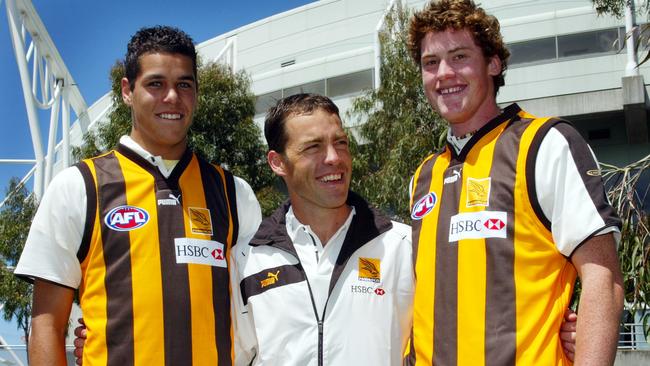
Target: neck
x=173 y=152
x=323 y=222
x=477 y=121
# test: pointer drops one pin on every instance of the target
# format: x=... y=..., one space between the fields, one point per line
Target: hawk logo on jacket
x=271 y=279
x=478 y=192
x=369 y=269
x=423 y=206
x=126 y=218
x=200 y=221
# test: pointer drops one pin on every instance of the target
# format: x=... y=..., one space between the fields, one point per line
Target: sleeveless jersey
x=491 y=285
x=154 y=258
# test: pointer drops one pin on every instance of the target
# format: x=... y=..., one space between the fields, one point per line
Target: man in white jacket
x=326 y=280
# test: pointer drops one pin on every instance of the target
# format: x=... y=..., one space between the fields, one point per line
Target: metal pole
x=30 y=104
x=51 y=140
x=65 y=128
x=632 y=66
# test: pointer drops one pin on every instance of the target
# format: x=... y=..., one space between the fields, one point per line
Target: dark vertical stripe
x=500 y=295
x=215 y=198
x=117 y=257
x=531 y=160
x=445 y=325
x=175 y=279
x=91 y=210
x=421 y=189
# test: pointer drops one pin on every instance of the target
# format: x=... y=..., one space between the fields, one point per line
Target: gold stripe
x=204 y=351
x=472 y=261
x=92 y=293
x=148 y=325
x=425 y=268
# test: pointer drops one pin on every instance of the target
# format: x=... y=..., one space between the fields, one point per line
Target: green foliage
x=223 y=130
x=401 y=128
x=627 y=194
x=15 y=218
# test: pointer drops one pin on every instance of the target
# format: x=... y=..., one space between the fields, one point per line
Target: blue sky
x=90 y=36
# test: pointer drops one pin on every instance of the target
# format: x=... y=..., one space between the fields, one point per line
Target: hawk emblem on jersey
x=369 y=269
x=271 y=279
x=478 y=192
x=126 y=218
x=200 y=220
x=423 y=206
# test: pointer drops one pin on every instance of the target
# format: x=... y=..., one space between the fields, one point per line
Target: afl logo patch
x=423 y=206
x=126 y=218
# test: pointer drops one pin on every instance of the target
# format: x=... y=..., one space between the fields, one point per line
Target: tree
x=628 y=192
x=617 y=9
x=15 y=218
x=223 y=130
x=400 y=129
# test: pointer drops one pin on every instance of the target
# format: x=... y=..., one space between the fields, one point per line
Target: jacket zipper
x=319 y=321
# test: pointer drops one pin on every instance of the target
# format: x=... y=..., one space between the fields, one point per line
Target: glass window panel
x=265 y=101
x=316 y=87
x=532 y=51
x=601 y=41
x=350 y=83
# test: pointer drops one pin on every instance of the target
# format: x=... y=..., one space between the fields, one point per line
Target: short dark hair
x=160 y=38
x=297 y=104
x=441 y=15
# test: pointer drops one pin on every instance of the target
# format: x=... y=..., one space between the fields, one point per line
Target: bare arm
x=50 y=313
x=601 y=301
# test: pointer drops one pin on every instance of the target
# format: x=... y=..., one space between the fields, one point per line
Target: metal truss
x=48 y=87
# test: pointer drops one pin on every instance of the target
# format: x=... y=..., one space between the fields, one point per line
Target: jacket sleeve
x=245 y=339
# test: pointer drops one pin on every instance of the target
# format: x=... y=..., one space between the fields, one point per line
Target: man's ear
x=494 y=66
x=126 y=91
x=276 y=163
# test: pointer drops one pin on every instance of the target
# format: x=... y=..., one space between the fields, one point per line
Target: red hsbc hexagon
x=217 y=254
x=494 y=224
x=380 y=291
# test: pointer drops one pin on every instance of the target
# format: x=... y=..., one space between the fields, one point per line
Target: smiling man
x=506 y=216
x=327 y=280
x=143 y=232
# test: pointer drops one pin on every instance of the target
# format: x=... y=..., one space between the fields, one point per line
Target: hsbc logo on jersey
x=199 y=251
x=126 y=218
x=478 y=225
x=367 y=290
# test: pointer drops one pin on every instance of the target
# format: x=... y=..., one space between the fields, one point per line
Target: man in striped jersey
x=506 y=216
x=143 y=232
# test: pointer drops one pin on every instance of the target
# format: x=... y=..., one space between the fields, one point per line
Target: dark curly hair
x=440 y=15
x=159 y=38
x=294 y=105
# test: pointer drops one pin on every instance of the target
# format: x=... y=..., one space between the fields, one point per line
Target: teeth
x=170 y=115
x=331 y=177
x=450 y=90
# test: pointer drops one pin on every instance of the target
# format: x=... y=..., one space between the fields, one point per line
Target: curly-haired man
x=506 y=216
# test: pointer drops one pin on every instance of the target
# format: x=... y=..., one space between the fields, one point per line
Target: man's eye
x=185 y=85
x=154 y=84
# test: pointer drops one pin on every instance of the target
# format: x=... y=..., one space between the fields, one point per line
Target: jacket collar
x=367 y=224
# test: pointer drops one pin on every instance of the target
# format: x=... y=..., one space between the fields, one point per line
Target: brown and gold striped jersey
x=154 y=257
x=491 y=284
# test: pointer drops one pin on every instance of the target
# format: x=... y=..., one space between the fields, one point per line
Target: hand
x=568 y=333
x=80 y=333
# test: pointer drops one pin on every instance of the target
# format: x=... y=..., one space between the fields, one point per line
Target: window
x=317 y=87
x=265 y=101
x=532 y=51
x=350 y=83
x=601 y=41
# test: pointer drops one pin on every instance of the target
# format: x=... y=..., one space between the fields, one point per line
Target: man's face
x=316 y=164
x=457 y=78
x=162 y=103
